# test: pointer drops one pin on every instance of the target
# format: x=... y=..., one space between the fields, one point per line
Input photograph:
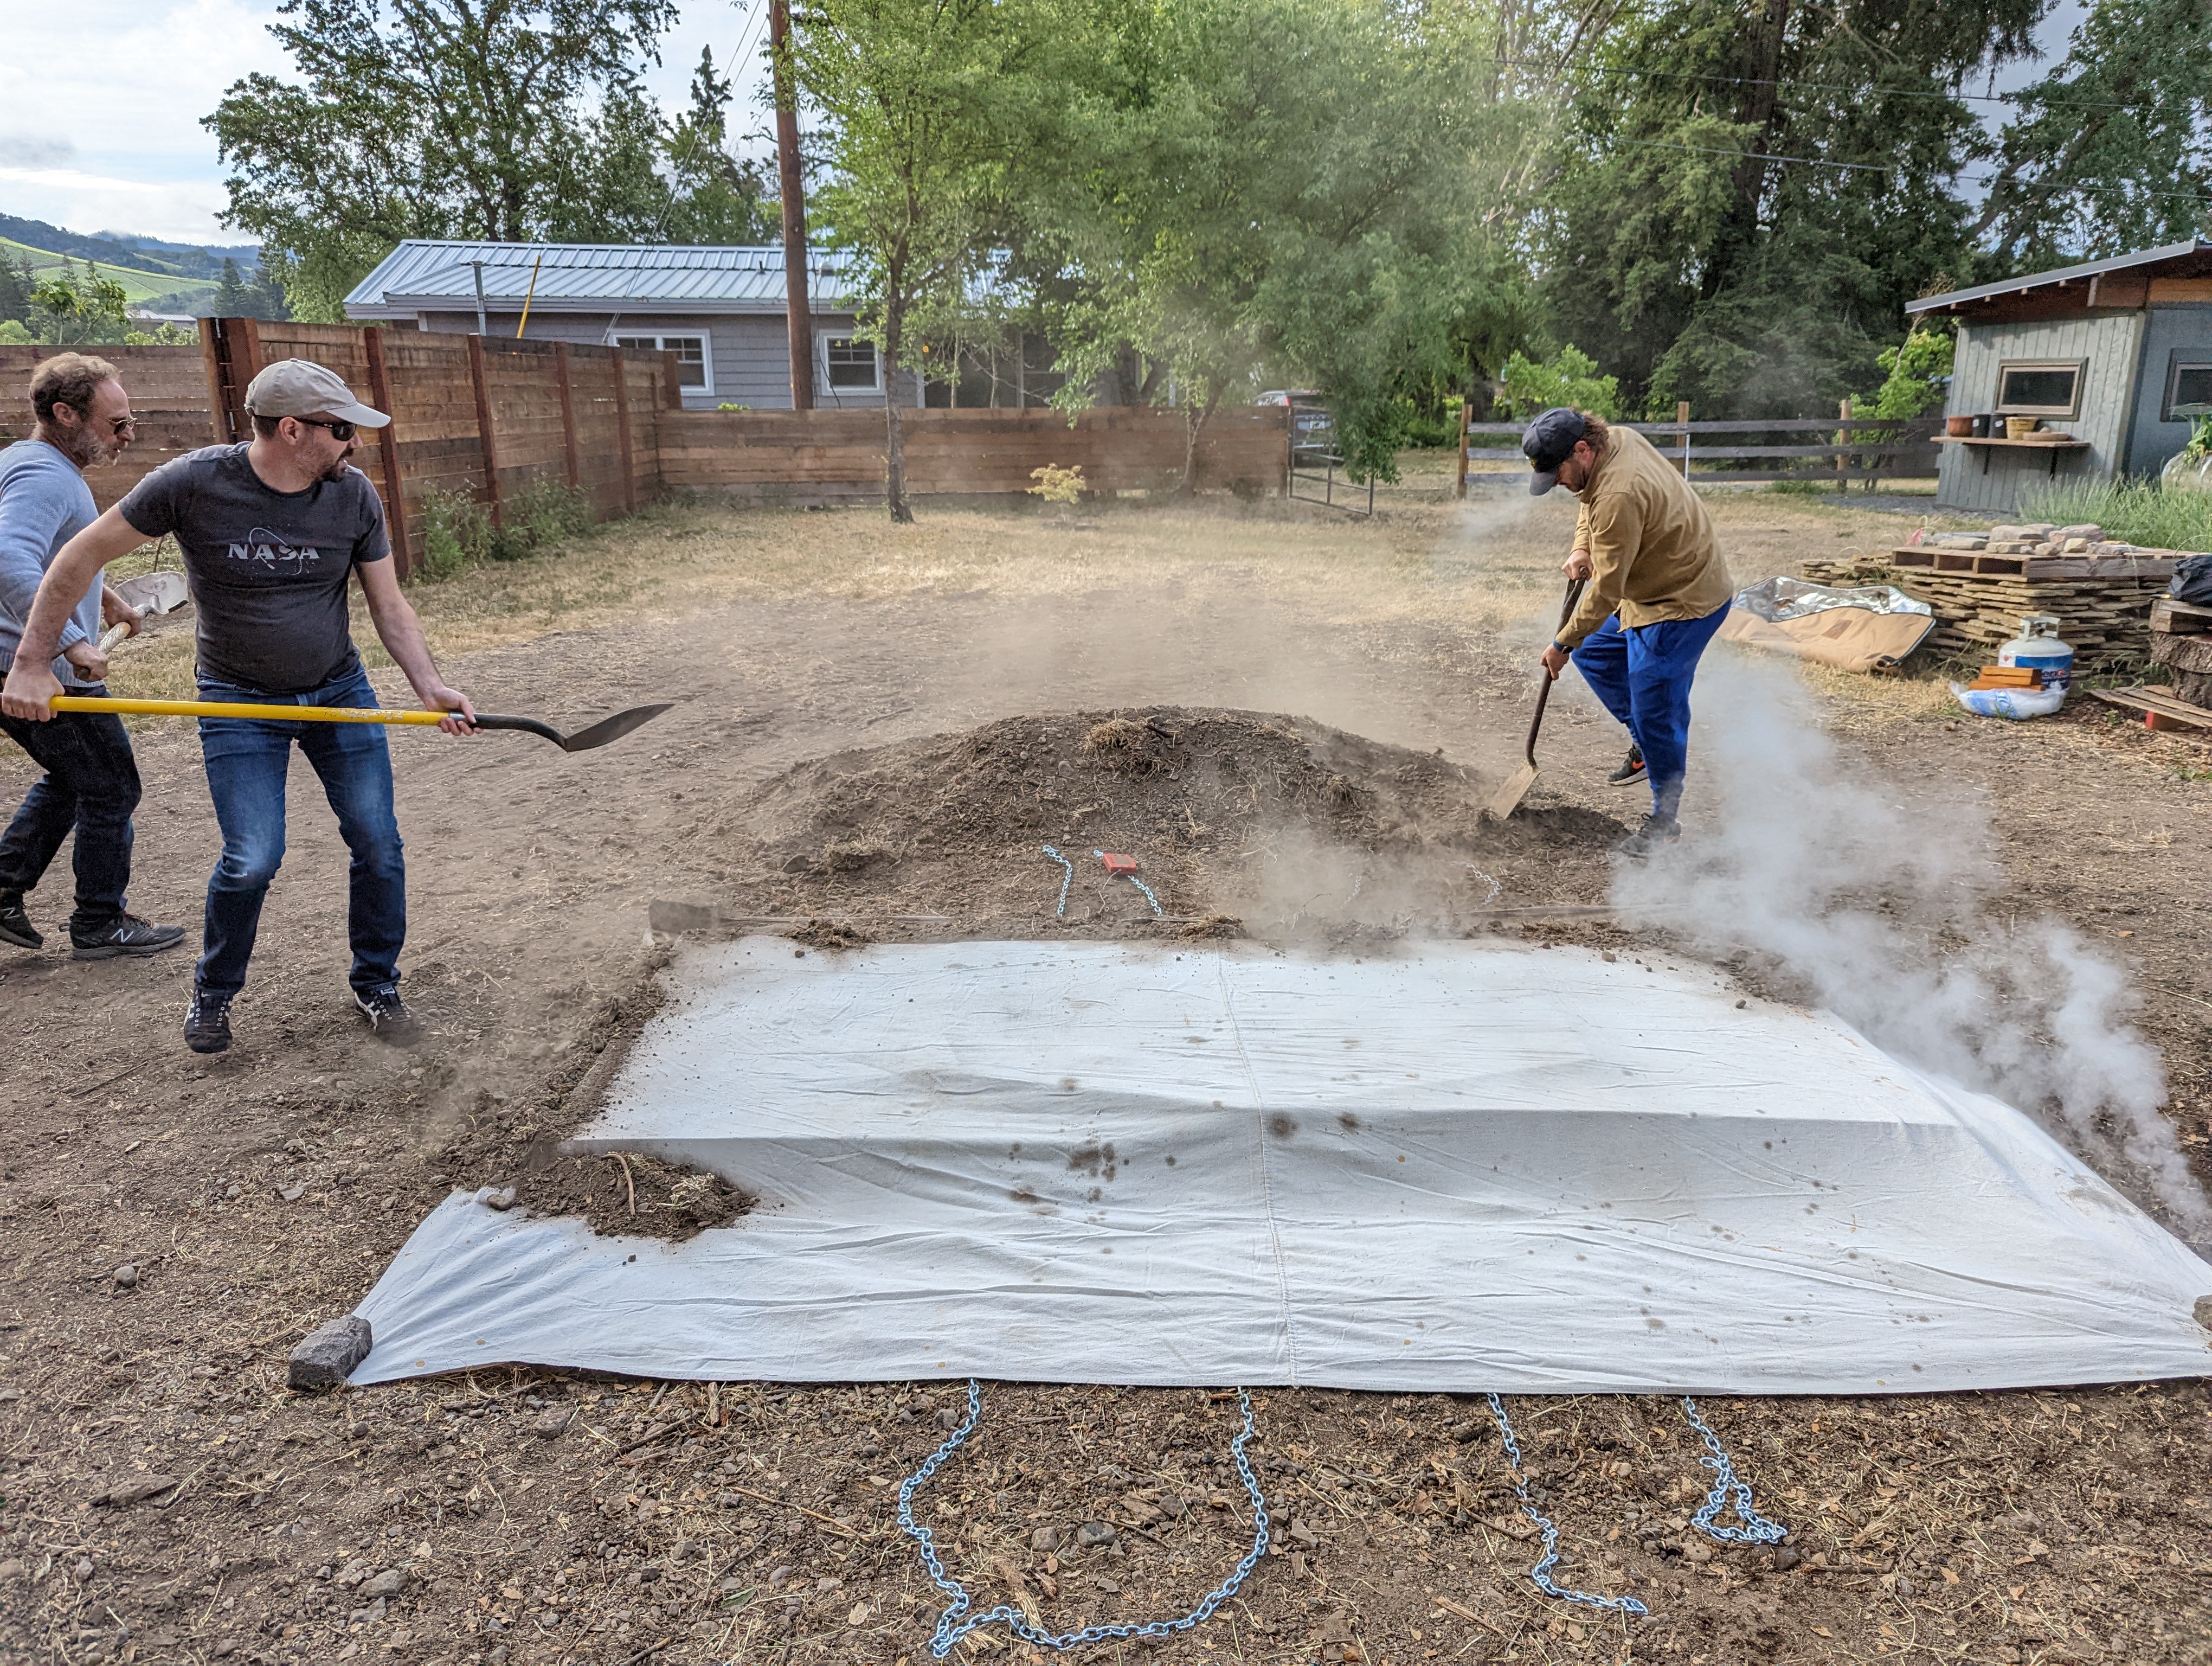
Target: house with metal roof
x=2111 y=358
x=719 y=309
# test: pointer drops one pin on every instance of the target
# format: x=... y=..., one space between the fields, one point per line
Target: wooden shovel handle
x=1544 y=693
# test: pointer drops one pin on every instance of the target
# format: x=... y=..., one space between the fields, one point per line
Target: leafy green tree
x=1918 y=375
x=1569 y=378
x=714 y=196
x=16 y=283
x=2112 y=149
x=1684 y=255
x=70 y=309
x=929 y=104
x=1280 y=190
x=433 y=119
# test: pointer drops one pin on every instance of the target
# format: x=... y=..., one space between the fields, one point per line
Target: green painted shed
x=2117 y=354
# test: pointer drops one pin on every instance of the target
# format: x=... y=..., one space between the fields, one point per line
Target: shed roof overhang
x=2124 y=280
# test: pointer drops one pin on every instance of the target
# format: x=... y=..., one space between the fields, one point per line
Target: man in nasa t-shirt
x=273 y=531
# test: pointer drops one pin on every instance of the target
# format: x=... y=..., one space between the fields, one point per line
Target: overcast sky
x=102 y=102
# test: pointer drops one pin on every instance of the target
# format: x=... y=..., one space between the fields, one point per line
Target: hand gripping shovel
x=1508 y=798
x=606 y=729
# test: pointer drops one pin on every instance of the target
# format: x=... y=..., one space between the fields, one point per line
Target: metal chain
x=1542 y=1573
x=1157 y=910
x=1757 y=1529
x=956 y=1622
x=1060 y=913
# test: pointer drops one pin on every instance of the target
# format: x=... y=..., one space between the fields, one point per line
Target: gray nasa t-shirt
x=268 y=569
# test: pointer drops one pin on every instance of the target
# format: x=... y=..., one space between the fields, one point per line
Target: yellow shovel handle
x=68 y=703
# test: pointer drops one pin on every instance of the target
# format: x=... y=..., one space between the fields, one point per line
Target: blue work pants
x=1642 y=676
x=246 y=761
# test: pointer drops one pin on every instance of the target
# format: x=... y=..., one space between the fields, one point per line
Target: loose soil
x=848 y=687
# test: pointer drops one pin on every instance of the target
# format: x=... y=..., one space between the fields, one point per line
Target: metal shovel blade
x=1507 y=799
x=606 y=729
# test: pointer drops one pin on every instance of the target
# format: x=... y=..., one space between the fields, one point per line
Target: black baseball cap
x=1548 y=442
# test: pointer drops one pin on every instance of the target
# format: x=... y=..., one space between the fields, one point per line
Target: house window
x=2188 y=386
x=2028 y=388
x=852 y=365
x=694 y=368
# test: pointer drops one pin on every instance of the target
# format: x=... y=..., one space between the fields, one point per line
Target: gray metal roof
x=421 y=275
x=2063 y=274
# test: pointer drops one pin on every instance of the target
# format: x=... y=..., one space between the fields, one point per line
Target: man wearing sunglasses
x=272 y=531
x=90 y=786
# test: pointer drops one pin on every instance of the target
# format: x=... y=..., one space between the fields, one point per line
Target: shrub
x=1570 y=378
x=1058 y=485
x=458 y=532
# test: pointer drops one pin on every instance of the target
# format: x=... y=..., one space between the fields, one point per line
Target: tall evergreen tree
x=231 y=298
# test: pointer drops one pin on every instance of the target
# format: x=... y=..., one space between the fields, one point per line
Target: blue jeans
x=91 y=786
x=246 y=760
x=1643 y=678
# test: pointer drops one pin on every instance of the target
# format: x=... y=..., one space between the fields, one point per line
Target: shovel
x=606 y=729
x=153 y=594
x=1508 y=798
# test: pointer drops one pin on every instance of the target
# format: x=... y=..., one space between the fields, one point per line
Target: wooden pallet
x=2160 y=711
x=1980 y=563
x=2180 y=618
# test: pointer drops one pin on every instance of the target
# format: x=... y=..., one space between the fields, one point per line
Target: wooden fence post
x=218 y=398
x=1682 y=417
x=1466 y=415
x=1843 y=460
x=621 y=431
x=567 y=414
x=672 y=392
x=387 y=445
x=484 y=437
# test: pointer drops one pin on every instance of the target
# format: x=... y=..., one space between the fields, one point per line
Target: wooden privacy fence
x=481 y=417
x=829 y=456
x=1849 y=448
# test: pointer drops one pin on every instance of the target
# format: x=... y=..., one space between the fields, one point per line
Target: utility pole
x=798 y=316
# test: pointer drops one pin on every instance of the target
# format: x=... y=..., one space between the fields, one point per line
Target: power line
x=1876 y=167
x=1799 y=81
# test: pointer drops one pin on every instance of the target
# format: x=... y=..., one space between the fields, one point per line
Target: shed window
x=851 y=364
x=2040 y=388
x=2188 y=386
x=691 y=362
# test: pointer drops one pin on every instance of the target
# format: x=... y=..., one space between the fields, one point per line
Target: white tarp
x=1461 y=1167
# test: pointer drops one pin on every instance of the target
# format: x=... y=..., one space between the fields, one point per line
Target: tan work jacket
x=1653 y=555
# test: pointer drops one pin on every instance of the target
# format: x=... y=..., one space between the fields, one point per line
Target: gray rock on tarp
x=326 y=1357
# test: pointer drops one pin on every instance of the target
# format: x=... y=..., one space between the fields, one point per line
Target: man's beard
x=337 y=471
x=86 y=446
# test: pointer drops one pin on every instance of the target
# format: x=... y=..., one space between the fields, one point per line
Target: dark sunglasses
x=340 y=430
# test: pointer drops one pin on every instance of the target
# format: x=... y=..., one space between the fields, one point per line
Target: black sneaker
x=207 y=1023
x=125 y=934
x=16 y=925
x=1630 y=771
x=1656 y=833
x=388 y=1016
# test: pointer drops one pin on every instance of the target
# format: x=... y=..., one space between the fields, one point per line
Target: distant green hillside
x=139 y=287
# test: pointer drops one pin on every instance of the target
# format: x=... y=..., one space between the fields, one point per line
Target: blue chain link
x=1158 y=911
x=1756 y=1528
x=1060 y=913
x=956 y=1622
x=1542 y=1573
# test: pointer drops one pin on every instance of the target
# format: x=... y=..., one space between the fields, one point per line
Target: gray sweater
x=44 y=504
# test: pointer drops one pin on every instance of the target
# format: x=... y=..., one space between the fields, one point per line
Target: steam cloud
x=1900 y=926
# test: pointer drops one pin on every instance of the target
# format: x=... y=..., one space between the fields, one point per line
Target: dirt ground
x=870 y=721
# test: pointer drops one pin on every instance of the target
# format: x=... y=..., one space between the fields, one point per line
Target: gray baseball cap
x=299 y=387
x=1549 y=440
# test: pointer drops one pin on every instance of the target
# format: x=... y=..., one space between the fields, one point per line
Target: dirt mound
x=1280 y=822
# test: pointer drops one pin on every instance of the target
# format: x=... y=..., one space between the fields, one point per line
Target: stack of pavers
x=1982 y=584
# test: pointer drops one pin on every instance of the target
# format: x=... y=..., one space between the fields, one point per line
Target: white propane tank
x=2038 y=649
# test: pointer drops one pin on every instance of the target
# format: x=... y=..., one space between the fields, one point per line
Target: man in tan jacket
x=1657 y=591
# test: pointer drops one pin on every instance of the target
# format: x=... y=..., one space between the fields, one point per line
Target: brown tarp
x=1849 y=638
